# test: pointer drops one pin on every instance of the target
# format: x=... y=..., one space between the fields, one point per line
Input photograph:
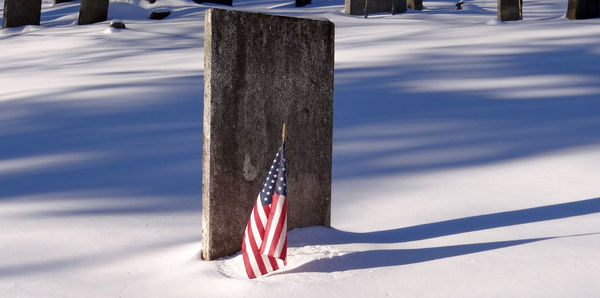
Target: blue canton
x=275 y=182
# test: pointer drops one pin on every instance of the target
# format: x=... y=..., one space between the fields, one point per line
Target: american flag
x=265 y=239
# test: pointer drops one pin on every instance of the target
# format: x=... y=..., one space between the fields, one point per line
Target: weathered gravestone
x=415 y=4
x=93 y=11
x=159 y=14
x=510 y=10
x=583 y=9
x=300 y=3
x=21 y=12
x=357 y=7
x=224 y=2
x=260 y=71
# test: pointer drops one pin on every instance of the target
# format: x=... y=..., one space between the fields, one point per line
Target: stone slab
x=159 y=14
x=510 y=10
x=224 y=2
x=300 y=3
x=21 y=13
x=415 y=4
x=93 y=11
x=583 y=9
x=259 y=71
x=357 y=7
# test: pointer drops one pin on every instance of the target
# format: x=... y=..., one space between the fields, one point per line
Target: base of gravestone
x=261 y=71
x=583 y=9
x=414 y=4
x=224 y=2
x=360 y=7
x=93 y=11
x=19 y=13
x=300 y=3
x=510 y=10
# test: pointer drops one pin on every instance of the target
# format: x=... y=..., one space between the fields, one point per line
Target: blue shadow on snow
x=314 y=236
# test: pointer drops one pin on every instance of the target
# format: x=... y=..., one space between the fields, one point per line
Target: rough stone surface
x=159 y=14
x=61 y=1
x=415 y=4
x=21 y=12
x=259 y=71
x=510 y=10
x=300 y=3
x=224 y=2
x=93 y=11
x=583 y=9
x=357 y=7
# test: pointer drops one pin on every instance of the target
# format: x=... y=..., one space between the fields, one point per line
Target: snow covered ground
x=466 y=157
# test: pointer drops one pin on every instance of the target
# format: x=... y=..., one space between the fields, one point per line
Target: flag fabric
x=265 y=239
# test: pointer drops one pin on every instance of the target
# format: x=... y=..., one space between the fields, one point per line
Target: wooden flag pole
x=283 y=133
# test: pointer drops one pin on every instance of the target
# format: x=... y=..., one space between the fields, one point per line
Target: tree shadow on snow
x=394 y=257
x=454 y=109
x=314 y=235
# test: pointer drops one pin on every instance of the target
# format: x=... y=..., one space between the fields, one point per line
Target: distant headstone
x=300 y=3
x=583 y=9
x=93 y=11
x=117 y=24
x=224 y=2
x=159 y=14
x=510 y=10
x=21 y=13
x=259 y=71
x=415 y=4
x=61 y=1
x=357 y=7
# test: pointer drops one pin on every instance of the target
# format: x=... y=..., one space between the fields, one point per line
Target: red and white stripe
x=275 y=244
x=260 y=223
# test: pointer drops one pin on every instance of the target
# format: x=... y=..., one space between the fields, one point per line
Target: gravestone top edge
x=212 y=10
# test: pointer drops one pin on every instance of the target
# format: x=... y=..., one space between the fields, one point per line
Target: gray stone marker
x=510 y=10
x=300 y=3
x=93 y=11
x=21 y=13
x=415 y=4
x=259 y=71
x=583 y=9
x=357 y=7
